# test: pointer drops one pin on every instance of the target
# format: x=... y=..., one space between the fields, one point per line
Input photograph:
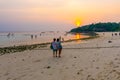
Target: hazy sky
x=44 y=15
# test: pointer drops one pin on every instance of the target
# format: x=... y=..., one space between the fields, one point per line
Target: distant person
x=40 y=34
x=31 y=36
x=35 y=36
x=115 y=34
x=62 y=39
x=112 y=34
x=8 y=35
x=59 y=47
x=53 y=46
x=103 y=33
x=12 y=34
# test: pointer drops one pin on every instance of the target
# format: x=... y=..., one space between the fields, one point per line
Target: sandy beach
x=90 y=60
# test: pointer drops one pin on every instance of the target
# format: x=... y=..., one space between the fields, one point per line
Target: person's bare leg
x=60 y=52
x=53 y=53
x=56 y=53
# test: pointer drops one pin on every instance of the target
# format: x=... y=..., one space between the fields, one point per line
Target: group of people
x=32 y=36
x=56 y=47
x=115 y=34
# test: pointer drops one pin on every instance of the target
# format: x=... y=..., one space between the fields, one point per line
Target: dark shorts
x=54 y=49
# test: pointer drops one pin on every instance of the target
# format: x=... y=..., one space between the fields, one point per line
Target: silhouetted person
x=115 y=34
x=112 y=34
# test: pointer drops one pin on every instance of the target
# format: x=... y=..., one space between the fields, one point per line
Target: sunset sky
x=45 y=15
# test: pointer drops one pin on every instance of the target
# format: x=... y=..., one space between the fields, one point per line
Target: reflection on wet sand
x=77 y=36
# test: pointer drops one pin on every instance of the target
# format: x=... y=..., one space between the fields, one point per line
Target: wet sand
x=92 y=60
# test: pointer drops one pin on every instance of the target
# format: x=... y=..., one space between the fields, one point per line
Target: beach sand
x=91 y=60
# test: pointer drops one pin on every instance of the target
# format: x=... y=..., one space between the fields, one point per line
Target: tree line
x=98 y=27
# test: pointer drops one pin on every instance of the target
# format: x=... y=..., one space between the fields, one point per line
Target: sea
x=27 y=38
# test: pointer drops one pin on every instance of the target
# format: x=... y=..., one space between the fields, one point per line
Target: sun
x=78 y=23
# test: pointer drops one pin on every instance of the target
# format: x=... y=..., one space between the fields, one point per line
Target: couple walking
x=56 y=47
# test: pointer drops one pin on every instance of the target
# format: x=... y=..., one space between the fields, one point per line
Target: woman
x=59 y=47
x=54 y=47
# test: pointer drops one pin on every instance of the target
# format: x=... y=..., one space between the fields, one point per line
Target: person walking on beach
x=53 y=46
x=59 y=47
x=31 y=36
x=35 y=36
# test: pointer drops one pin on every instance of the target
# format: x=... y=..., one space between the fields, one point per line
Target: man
x=59 y=47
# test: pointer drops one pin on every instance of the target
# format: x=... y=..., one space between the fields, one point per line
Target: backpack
x=51 y=47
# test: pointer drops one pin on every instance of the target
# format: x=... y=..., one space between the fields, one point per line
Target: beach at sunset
x=59 y=39
x=94 y=59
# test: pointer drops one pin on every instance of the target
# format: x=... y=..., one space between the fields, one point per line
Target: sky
x=55 y=15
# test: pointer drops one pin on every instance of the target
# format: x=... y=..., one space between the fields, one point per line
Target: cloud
x=8 y=4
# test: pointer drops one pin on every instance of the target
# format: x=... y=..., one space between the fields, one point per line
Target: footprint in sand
x=23 y=59
x=97 y=67
x=118 y=54
x=93 y=61
x=118 y=62
x=108 y=75
x=67 y=68
x=27 y=69
x=19 y=78
x=37 y=60
x=80 y=72
x=75 y=57
x=42 y=72
x=73 y=65
x=88 y=77
x=111 y=63
x=6 y=74
x=116 y=58
x=116 y=66
x=48 y=67
x=8 y=79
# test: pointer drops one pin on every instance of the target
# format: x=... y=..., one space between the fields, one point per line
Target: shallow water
x=26 y=38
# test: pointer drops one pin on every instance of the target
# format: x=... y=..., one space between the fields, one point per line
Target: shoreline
x=21 y=48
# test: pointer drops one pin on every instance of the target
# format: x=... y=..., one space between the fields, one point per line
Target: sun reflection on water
x=78 y=36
